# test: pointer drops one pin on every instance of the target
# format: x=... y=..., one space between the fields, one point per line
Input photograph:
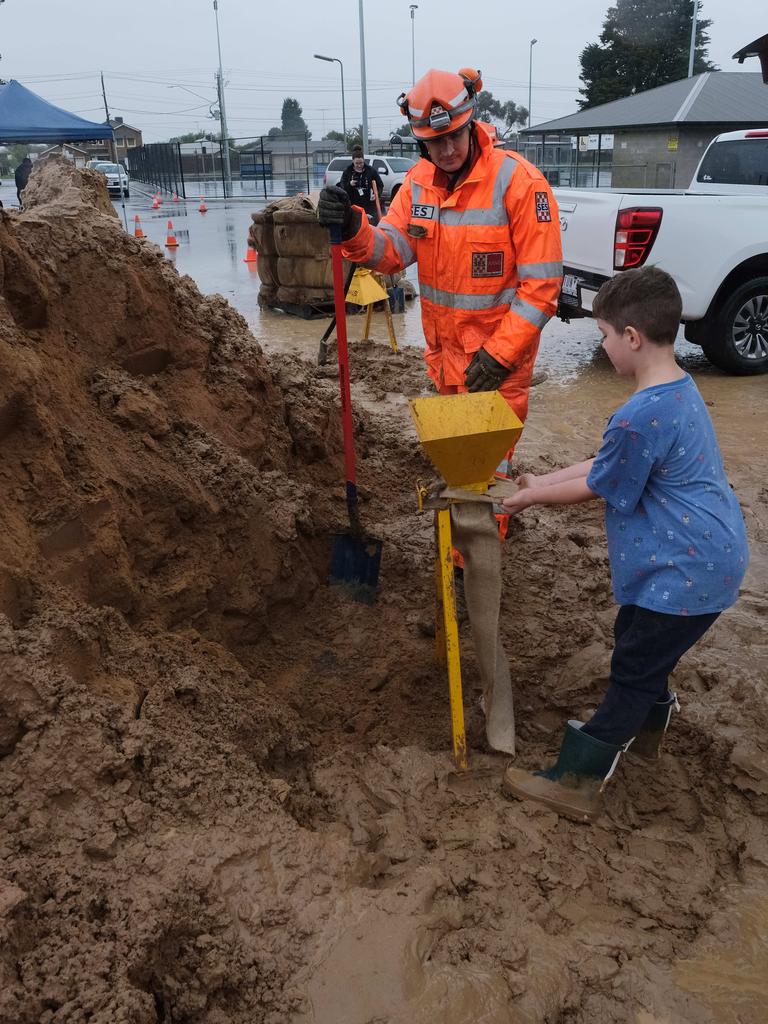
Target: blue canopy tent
x=27 y=117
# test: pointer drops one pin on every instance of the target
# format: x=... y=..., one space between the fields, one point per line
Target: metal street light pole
x=692 y=53
x=335 y=60
x=363 y=86
x=414 y=8
x=222 y=106
x=530 y=77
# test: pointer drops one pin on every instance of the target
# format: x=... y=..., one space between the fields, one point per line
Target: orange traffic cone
x=250 y=256
x=155 y=204
x=203 y=207
x=170 y=241
x=137 y=232
x=175 y=198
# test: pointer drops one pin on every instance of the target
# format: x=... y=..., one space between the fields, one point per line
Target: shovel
x=322 y=356
x=356 y=557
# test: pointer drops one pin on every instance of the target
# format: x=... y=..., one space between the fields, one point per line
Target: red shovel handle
x=343 y=352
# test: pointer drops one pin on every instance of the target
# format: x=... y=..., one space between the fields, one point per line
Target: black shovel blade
x=355 y=562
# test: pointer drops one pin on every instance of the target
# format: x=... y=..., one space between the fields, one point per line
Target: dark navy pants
x=648 y=645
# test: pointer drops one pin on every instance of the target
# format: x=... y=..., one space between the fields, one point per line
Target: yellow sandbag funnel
x=466 y=435
x=365 y=289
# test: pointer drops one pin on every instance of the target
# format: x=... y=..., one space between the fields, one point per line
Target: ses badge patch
x=543 y=213
x=487 y=264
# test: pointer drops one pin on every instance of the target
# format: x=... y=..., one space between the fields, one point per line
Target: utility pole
x=222 y=106
x=692 y=54
x=362 y=80
x=414 y=8
x=530 y=78
x=109 y=119
x=2 y=80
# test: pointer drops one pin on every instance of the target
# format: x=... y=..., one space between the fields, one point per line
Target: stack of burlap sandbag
x=294 y=255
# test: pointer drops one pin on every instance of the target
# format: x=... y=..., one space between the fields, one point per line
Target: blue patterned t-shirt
x=676 y=536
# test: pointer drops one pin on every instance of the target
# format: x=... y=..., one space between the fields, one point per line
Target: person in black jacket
x=21 y=175
x=357 y=181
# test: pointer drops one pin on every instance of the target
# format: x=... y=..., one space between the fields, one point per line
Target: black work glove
x=485 y=373
x=335 y=210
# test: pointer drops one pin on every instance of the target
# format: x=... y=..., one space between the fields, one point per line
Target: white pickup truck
x=712 y=238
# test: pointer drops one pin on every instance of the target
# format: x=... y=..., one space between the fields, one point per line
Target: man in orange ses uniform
x=483 y=226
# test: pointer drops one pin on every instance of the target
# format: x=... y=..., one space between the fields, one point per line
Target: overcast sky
x=148 y=49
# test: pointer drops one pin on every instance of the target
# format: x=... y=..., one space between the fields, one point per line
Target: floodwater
x=212 y=247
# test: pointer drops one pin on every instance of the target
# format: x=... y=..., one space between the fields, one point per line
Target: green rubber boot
x=647 y=743
x=573 y=786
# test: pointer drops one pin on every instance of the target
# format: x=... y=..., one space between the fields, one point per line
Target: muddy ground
x=226 y=792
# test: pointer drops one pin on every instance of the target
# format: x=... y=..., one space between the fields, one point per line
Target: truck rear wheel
x=736 y=339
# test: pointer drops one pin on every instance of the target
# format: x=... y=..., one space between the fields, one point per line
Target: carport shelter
x=659 y=135
x=27 y=117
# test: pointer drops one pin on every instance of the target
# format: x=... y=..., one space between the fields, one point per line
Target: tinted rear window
x=740 y=162
x=339 y=164
x=400 y=164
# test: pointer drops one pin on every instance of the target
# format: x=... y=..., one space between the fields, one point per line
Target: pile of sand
x=225 y=792
x=161 y=497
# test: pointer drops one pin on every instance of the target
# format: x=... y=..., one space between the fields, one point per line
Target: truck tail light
x=759 y=134
x=636 y=230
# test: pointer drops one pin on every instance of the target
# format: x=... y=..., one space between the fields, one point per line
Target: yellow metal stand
x=390 y=325
x=464 y=436
x=447 y=637
x=365 y=290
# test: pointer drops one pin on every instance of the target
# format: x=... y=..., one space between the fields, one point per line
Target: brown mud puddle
x=226 y=792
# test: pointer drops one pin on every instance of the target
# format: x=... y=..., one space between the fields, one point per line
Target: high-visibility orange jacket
x=489 y=261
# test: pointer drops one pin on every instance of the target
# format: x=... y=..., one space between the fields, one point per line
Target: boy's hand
x=517 y=502
x=526 y=480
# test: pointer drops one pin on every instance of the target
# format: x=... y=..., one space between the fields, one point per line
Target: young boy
x=676 y=539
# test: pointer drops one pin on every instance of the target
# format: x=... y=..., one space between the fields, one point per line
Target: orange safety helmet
x=441 y=102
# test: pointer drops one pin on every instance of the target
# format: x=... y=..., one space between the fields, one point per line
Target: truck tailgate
x=588 y=225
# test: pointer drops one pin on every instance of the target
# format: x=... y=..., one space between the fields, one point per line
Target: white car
x=117 y=179
x=711 y=237
x=392 y=170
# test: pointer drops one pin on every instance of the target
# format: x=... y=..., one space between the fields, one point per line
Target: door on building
x=665 y=175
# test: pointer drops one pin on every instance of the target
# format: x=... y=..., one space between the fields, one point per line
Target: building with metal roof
x=653 y=139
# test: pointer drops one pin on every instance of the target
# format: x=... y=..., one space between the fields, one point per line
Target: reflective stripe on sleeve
x=461 y=300
x=400 y=242
x=379 y=244
x=496 y=214
x=540 y=271
x=528 y=312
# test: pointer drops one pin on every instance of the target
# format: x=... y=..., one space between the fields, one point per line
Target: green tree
x=490 y=109
x=334 y=136
x=355 y=137
x=404 y=130
x=644 y=43
x=16 y=153
x=291 y=118
x=193 y=137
